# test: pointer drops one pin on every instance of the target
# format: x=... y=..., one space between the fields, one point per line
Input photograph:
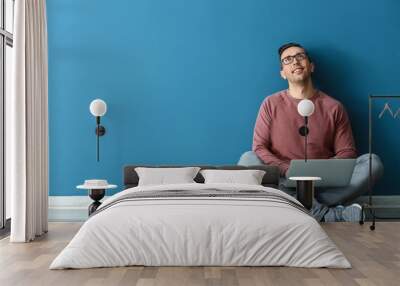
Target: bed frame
x=270 y=179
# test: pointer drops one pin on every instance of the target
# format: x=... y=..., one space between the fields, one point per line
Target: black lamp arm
x=303 y=130
x=100 y=131
x=305 y=137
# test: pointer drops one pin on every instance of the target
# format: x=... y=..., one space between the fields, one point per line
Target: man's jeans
x=318 y=211
x=357 y=185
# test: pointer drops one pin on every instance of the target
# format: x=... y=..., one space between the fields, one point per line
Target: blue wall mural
x=183 y=80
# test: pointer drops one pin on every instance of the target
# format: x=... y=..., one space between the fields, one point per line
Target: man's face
x=295 y=65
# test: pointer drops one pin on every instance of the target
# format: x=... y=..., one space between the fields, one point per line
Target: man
x=276 y=139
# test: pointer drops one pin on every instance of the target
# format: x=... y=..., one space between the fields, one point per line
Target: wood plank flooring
x=375 y=257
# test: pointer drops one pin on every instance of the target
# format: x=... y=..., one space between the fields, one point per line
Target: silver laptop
x=333 y=172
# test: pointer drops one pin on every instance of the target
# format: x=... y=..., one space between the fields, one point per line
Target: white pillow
x=164 y=176
x=248 y=177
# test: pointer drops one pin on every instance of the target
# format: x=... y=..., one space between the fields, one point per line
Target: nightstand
x=96 y=190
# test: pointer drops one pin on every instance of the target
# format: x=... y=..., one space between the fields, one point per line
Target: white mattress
x=200 y=231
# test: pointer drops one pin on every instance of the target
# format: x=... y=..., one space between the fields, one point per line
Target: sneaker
x=334 y=214
x=352 y=213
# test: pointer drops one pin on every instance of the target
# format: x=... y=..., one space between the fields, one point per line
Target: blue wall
x=184 y=79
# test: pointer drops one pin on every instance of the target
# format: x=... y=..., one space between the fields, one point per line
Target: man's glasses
x=289 y=59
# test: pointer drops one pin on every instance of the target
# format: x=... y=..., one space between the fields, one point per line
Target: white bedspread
x=200 y=231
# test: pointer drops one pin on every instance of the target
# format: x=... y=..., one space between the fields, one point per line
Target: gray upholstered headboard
x=270 y=179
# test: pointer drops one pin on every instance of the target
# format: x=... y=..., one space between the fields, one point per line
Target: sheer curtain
x=27 y=124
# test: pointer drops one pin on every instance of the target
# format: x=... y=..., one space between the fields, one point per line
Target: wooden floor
x=375 y=257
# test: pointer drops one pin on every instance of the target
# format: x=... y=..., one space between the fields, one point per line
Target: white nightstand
x=96 y=190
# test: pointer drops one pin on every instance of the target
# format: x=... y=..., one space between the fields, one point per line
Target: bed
x=201 y=224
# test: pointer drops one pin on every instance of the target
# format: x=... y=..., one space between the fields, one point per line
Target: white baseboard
x=69 y=208
x=70 y=201
x=75 y=208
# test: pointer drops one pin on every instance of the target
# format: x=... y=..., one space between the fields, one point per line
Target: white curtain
x=27 y=123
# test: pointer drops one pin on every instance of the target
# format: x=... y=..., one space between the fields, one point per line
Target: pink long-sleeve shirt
x=276 y=138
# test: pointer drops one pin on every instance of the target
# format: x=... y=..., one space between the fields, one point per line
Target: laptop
x=333 y=172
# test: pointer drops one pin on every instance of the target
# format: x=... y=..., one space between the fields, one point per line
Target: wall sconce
x=98 y=108
x=305 y=108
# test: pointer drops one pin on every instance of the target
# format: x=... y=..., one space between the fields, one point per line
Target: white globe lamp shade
x=305 y=107
x=98 y=107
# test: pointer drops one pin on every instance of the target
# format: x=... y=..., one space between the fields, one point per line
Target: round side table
x=96 y=193
x=305 y=190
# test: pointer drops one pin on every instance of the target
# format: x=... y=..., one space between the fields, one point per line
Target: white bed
x=185 y=230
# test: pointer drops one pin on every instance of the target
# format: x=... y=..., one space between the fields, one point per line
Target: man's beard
x=301 y=80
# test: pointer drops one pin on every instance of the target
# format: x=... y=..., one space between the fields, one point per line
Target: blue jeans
x=327 y=198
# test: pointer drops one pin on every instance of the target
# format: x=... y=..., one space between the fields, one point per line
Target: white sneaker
x=352 y=213
x=334 y=214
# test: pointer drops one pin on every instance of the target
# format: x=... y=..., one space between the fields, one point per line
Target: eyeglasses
x=289 y=59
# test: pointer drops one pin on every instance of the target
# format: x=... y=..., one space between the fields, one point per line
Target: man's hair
x=289 y=45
